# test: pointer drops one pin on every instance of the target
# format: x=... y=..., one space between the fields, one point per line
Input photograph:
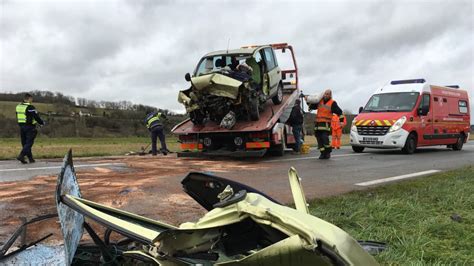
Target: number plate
x=370 y=139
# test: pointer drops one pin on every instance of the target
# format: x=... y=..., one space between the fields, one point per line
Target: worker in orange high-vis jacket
x=337 y=124
x=325 y=107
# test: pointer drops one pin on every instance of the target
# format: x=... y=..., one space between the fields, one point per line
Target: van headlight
x=354 y=127
x=398 y=124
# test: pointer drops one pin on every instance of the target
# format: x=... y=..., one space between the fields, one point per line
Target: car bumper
x=391 y=140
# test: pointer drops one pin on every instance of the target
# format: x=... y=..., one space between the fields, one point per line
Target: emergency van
x=408 y=114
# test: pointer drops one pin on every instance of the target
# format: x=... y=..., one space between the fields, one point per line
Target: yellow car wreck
x=243 y=226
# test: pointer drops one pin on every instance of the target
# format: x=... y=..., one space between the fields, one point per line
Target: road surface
x=150 y=186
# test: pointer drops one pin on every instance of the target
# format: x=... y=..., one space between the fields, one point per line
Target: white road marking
x=59 y=166
x=313 y=157
x=394 y=178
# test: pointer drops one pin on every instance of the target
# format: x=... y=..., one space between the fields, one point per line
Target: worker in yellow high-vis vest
x=28 y=118
x=154 y=123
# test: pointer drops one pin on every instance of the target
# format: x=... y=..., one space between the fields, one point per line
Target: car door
x=273 y=71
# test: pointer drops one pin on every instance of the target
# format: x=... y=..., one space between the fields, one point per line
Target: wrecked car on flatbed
x=233 y=84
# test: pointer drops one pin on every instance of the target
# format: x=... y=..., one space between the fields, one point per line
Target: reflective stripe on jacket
x=153 y=121
x=21 y=114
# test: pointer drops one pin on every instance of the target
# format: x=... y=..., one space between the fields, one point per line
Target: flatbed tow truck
x=246 y=138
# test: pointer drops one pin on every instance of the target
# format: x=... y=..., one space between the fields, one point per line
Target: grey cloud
x=140 y=50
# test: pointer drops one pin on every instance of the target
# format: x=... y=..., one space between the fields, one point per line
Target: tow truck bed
x=268 y=117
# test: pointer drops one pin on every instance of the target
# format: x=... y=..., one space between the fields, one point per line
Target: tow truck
x=247 y=138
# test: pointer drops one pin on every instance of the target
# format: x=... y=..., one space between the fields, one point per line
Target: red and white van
x=408 y=114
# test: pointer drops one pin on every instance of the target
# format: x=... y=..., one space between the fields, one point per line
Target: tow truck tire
x=254 y=112
x=279 y=150
x=358 y=149
x=459 y=143
x=410 y=144
x=278 y=98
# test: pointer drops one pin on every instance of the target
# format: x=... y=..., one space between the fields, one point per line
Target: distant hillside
x=66 y=119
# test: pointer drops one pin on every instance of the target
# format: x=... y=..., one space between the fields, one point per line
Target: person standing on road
x=337 y=124
x=27 y=117
x=154 y=124
x=325 y=107
x=296 y=122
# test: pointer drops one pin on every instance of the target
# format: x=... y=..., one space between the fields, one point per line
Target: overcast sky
x=140 y=50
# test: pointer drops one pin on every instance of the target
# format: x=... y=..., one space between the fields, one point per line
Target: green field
x=412 y=217
x=82 y=147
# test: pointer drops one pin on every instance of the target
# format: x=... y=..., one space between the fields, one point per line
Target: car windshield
x=215 y=63
x=392 y=102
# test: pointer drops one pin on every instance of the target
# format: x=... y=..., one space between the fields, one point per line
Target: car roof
x=240 y=51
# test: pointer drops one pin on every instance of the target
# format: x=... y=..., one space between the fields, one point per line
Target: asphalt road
x=345 y=171
x=12 y=170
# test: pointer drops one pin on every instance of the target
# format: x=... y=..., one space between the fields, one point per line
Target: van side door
x=440 y=125
x=426 y=120
x=274 y=72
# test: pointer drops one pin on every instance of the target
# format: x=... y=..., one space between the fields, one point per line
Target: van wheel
x=358 y=149
x=459 y=143
x=254 y=112
x=278 y=98
x=410 y=144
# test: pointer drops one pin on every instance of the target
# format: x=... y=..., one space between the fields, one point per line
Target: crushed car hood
x=217 y=84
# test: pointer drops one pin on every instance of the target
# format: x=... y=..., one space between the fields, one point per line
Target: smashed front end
x=220 y=97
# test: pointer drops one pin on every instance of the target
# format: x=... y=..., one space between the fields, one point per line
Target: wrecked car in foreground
x=243 y=226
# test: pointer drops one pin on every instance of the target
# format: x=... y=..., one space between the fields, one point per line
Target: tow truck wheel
x=278 y=98
x=358 y=149
x=410 y=144
x=279 y=150
x=459 y=143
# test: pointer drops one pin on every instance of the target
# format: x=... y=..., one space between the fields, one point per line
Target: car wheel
x=278 y=98
x=358 y=149
x=254 y=112
x=410 y=144
x=459 y=143
x=197 y=117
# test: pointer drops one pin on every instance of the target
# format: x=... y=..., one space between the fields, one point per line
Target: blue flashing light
x=407 y=81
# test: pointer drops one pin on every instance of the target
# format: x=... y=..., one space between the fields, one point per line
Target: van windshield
x=391 y=102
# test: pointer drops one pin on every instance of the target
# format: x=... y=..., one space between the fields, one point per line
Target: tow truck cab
x=408 y=114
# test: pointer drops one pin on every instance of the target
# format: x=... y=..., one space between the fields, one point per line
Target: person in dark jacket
x=28 y=118
x=296 y=120
x=154 y=124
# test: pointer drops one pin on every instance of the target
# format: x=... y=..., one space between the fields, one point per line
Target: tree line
x=66 y=116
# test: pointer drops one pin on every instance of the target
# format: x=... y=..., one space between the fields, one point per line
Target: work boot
x=328 y=155
x=21 y=159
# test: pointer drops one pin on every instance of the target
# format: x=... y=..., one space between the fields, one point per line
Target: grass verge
x=427 y=221
x=82 y=147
